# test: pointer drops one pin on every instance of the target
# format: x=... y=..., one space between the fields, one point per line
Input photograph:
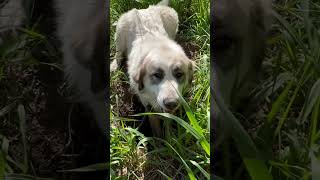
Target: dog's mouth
x=163 y=109
x=168 y=111
x=171 y=111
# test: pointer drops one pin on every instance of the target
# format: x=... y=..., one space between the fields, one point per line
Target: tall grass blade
x=277 y=105
x=17 y=164
x=143 y=141
x=250 y=155
x=292 y=32
x=163 y=174
x=190 y=173
x=257 y=169
x=314 y=122
x=134 y=131
x=190 y=115
x=24 y=177
x=306 y=17
x=2 y=164
x=311 y=100
x=7 y=109
x=4 y=145
x=204 y=172
x=286 y=112
x=3 y=154
x=23 y=126
x=33 y=34
x=204 y=143
x=315 y=166
x=270 y=86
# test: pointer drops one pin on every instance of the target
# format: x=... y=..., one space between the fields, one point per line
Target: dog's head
x=163 y=75
x=239 y=30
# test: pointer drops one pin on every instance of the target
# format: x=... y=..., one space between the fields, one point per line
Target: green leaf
x=244 y=143
x=315 y=166
x=189 y=171
x=311 y=100
x=277 y=105
x=190 y=115
x=7 y=109
x=2 y=164
x=204 y=143
x=201 y=169
x=163 y=174
x=22 y=120
x=314 y=122
x=286 y=112
x=24 y=177
x=257 y=169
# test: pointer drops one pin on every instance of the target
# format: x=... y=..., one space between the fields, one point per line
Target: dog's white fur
x=237 y=63
x=145 y=37
x=80 y=22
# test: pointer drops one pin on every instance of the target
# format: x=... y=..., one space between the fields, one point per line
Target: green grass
x=185 y=150
x=285 y=129
x=17 y=55
x=296 y=119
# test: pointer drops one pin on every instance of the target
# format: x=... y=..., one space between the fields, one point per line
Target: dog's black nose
x=170 y=104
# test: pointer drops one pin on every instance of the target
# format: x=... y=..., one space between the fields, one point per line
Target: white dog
x=240 y=29
x=157 y=66
x=81 y=29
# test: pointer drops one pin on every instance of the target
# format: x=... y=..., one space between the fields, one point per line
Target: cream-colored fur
x=146 y=38
x=80 y=22
x=240 y=29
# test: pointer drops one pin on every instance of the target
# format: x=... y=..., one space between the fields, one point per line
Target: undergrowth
x=284 y=131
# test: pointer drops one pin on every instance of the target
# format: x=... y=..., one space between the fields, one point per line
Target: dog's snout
x=170 y=103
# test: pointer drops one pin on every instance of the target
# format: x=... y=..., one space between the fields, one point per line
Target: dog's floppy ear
x=138 y=77
x=140 y=73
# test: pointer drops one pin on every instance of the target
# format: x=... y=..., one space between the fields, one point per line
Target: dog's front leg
x=155 y=126
x=155 y=123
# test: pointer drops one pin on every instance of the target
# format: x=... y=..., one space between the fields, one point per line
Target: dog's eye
x=179 y=75
x=157 y=75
